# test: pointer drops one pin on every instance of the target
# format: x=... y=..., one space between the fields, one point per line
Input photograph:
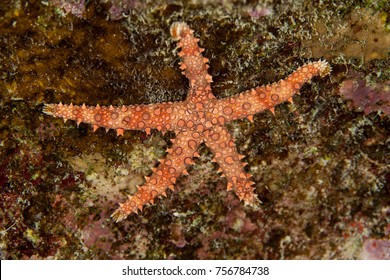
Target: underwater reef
x=321 y=165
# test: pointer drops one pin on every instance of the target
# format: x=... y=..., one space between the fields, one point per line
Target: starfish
x=201 y=118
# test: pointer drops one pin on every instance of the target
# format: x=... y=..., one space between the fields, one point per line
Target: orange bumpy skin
x=198 y=119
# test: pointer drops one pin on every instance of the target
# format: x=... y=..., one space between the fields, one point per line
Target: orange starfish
x=198 y=119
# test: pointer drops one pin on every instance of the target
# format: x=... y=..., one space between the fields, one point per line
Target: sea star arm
x=193 y=64
x=222 y=145
x=250 y=102
x=164 y=176
x=161 y=116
